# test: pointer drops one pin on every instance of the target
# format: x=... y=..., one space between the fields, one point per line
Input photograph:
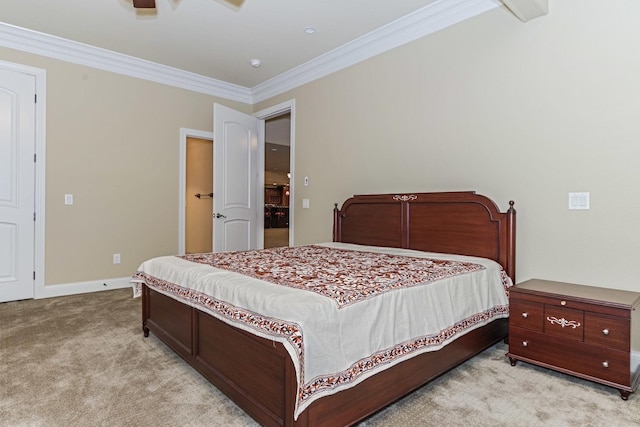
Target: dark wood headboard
x=463 y=223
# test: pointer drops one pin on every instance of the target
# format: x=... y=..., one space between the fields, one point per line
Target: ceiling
x=217 y=38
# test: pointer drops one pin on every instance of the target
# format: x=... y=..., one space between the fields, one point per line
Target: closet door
x=17 y=192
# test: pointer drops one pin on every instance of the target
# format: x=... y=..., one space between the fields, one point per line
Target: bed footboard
x=259 y=376
x=254 y=372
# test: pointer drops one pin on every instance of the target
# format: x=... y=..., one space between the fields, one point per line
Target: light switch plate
x=579 y=201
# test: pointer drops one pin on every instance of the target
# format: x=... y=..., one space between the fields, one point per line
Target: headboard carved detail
x=462 y=223
x=405 y=197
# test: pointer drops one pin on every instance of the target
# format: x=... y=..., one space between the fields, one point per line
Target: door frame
x=262 y=115
x=40 y=76
x=182 y=191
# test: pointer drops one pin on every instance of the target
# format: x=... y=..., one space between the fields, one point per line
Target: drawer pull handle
x=525 y=315
x=605 y=332
x=525 y=343
x=563 y=303
x=605 y=364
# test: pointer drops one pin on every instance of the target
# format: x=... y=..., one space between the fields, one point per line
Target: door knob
x=219 y=215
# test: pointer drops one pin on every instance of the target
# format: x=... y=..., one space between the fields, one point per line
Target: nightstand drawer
x=526 y=314
x=563 y=322
x=607 y=331
x=602 y=363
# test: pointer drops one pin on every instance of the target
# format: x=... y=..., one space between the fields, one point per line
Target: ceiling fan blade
x=144 y=4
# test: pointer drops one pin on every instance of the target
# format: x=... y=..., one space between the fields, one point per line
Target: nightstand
x=585 y=331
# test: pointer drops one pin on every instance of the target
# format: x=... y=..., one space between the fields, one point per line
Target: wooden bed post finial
x=511 y=244
x=336 y=223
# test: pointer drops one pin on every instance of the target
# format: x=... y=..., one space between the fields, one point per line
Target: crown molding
x=430 y=19
x=438 y=15
x=79 y=53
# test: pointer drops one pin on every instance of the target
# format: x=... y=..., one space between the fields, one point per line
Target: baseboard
x=50 y=291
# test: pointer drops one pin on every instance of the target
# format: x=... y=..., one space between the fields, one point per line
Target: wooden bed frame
x=258 y=374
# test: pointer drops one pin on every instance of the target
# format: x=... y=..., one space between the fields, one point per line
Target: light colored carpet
x=82 y=361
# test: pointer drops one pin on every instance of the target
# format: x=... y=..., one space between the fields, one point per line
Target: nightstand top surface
x=584 y=292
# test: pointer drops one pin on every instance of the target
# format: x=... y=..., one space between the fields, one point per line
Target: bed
x=261 y=361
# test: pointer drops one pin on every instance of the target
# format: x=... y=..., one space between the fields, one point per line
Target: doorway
x=232 y=184
x=184 y=196
x=262 y=116
x=277 y=178
x=199 y=196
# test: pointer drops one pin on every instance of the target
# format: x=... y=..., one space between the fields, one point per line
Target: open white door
x=17 y=174
x=235 y=180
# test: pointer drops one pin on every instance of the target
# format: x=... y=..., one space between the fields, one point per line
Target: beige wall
x=113 y=142
x=528 y=112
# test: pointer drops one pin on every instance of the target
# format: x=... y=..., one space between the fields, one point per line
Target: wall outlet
x=116 y=258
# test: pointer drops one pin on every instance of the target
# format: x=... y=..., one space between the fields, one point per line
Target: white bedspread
x=353 y=342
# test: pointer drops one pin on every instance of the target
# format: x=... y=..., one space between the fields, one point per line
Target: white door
x=17 y=174
x=235 y=180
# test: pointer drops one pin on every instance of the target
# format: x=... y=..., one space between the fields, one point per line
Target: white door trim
x=262 y=115
x=40 y=76
x=184 y=134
